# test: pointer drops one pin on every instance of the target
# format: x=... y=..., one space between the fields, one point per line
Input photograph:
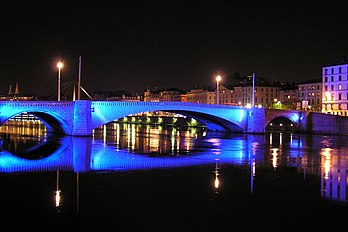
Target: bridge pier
x=82 y=119
x=81 y=154
x=256 y=121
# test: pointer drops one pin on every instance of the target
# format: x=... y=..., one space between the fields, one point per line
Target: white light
x=60 y=65
x=57 y=198
x=218 y=78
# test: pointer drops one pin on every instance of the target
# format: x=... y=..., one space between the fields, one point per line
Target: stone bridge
x=79 y=118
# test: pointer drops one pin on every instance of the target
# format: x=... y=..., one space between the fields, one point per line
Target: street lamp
x=218 y=79
x=59 y=65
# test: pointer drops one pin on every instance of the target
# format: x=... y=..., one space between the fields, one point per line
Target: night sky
x=134 y=45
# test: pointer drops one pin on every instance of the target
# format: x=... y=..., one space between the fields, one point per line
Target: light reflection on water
x=128 y=146
x=118 y=147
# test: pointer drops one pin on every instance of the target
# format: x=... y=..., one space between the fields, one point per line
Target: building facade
x=289 y=98
x=200 y=96
x=264 y=96
x=335 y=88
x=310 y=95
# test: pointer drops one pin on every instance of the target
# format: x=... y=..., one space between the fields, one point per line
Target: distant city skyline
x=133 y=46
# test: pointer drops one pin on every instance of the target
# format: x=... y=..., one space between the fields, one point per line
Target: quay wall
x=320 y=123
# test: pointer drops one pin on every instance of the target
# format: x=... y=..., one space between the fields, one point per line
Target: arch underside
x=287 y=123
x=53 y=124
x=212 y=122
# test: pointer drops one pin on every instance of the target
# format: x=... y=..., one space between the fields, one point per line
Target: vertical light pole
x=59 y=65
x=253 y=93
x=218 y=79
x=79 y=82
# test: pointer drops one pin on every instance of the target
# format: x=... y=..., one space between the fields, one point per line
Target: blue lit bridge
x=79 y=118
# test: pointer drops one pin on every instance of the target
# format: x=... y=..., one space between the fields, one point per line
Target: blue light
x=83 y=154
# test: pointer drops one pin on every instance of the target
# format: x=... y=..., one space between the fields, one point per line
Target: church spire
x=10 y=90
x=16 y=89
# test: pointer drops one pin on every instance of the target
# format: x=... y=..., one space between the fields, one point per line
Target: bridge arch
x=282 y=124
x=286 y=117
x=212 y=123
x=215 y=117
x=53 y=122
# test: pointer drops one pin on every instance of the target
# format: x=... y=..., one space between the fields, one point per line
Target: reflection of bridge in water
x=82 y=154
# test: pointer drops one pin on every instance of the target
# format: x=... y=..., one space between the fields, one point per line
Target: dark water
x=135 y=178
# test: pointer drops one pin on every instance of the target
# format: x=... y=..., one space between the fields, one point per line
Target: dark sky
x=132 y=45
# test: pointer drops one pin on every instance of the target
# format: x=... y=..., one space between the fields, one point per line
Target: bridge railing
x=169 y=103
x=37 y=103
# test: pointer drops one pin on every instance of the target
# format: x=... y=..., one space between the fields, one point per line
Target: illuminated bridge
x=79 y=118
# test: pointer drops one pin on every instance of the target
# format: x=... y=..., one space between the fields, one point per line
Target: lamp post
x=59 y=65
x=218 y=79
x=253 y=93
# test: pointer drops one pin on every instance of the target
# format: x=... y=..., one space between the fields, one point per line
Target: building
x=169 y=95
x=201 y=96
x=289 y=98
x=225 y=95
x=335 y=88
x=151 y=95
x=310 y=95
x=164 y=95
x=264 y=96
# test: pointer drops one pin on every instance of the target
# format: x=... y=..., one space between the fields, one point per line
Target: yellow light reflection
x=118 y=134
x=57 y=198
x=216 y=180
x=133 y=137
x=326 y=155
x=254 y=167
x=128 y=135
x=274 y=156
x=280 y=138
x=172 y=141
x=104 y=134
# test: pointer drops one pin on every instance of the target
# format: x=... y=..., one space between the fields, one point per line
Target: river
x=130 y=177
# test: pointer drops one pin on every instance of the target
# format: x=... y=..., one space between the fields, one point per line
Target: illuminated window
x=340 y=87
